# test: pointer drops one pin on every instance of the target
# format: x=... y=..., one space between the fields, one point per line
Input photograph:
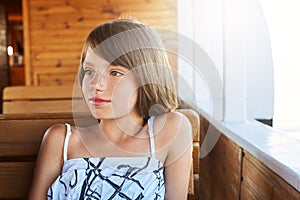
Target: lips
x=98 y=101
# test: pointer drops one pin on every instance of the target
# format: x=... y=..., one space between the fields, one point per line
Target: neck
x=120 y=129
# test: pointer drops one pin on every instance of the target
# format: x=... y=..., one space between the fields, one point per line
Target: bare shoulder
x=172 y=128
x=49 y=161
x=173 y=133
x=53 y=140
x=174 y=123
x=55 y=133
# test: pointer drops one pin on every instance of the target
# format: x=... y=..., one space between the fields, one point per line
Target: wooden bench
x=20 y=138
x=42 y=99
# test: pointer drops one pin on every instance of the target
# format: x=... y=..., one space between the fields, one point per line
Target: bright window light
x=285 y=42
x=10 y=50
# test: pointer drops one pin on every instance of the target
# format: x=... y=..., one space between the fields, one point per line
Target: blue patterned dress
x=110 y=177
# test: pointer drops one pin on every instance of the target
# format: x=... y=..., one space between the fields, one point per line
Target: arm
x=49 y=162
x=179 y=161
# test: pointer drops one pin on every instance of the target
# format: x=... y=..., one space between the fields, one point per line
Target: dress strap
x=150 y=131
x=66 y=143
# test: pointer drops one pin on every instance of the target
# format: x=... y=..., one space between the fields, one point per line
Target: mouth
x=98 y=101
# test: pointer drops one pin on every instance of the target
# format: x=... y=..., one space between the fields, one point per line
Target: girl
x=140 y=148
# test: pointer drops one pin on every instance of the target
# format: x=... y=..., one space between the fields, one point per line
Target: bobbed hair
x=133 y=45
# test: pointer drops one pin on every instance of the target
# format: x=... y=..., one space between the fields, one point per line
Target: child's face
x=110 y=91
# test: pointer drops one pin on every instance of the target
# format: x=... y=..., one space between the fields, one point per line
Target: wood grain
x=259 y=182
x=55 y=31
x=220 y=170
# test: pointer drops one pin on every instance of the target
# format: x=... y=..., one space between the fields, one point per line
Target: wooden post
x=4 y=80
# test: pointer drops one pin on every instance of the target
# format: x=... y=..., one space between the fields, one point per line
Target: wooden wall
x=220 y=170
x=259 y=182
x=4 y=73
x=55 y=30
x=229 y=172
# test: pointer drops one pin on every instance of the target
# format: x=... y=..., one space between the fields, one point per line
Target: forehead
x=94 y=59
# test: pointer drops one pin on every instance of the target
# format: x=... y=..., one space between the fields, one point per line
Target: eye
x=87 y=72
x=116 y=73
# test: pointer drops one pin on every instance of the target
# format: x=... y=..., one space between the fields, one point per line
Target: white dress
x=110 y=177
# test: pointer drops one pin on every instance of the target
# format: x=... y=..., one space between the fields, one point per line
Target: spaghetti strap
x=150 y=131
x=66 y=143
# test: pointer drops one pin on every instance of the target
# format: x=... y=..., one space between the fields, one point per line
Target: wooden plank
x=55 y=65
x=21 y=134
x=220 y=170
x=40 y=4
x=50 y=47
x=45 y=106
x=43 y=99
x=65 y=75
x=27 y=40
x=57 y=70
x=52 y=79
x=24 y=136
x=38 y=92
x=15 y=179
x=191 y=188
x=57 y=55
x=196 y=157
x=17 y=75
x=262 y=183
x=59 y=38
x=75 y=33
x=48 y=9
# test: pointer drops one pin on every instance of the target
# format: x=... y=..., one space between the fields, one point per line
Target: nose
x=100 y=81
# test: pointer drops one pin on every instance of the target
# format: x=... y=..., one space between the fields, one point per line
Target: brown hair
x=133 y=45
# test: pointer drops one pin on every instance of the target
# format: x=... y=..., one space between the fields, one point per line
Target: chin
x=101 y=115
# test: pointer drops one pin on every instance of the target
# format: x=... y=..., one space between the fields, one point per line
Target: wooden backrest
x=40 y=99
x=20 y=138
x=194 y=177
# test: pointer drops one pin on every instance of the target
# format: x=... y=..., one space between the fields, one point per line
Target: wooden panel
x=3 y=83
x=55 y=31
x=4 y=73
x=259 y=182
x=17 y=76
x=21 y=135
x=196 y=157
x=57 y=106
x=15 y=179
x=55 y=78
x=220 y=170
x=3 y=38
x=40 y=92
x=42 y=99
x=27 y=40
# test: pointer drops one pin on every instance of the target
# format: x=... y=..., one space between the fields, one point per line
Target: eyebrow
x=87 y=63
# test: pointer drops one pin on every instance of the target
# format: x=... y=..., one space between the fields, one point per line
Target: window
x=283 y=23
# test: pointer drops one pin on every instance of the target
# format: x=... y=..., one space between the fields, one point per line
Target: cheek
x=84 y=86
x=124 y=96
x=125 y=90
x=86 y=89
x=133 y=98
